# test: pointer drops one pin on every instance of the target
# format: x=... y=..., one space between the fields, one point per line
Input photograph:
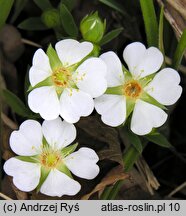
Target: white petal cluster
x=71 y=90
x=86 y=81
x=163 y=87
x=28 y=142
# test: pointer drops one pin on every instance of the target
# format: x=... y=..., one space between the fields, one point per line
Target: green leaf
x=147 y=98
x=160 y=38
x=110 y=36
x=146 y=80
x=5 y=6
x=63 y=168
x=68 y=22
x=16 y=104
x=117 y=90
x=150 y=20
x=46 y=82
x=45 y=143
x=135 y=141
x=31 y=159
x=115 y=5
x=129 y=106
x=158 y=139
x=32 y=24
x=69 y=149
x=43 y=4
x=44 y=174
x=53 y=58
x=26 y=83
x=179 y=51
x=70 y=4
x=18 y=7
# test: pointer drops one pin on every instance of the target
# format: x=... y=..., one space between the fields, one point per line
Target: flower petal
x=146 y=117
x=58 y=133
x=44 y=100
x=25 y=175
x=133 y=55
x=71 y=51
x=59 y=184
x=151 y=63
x=75 y=103
x=165 y=87
x=27 y=140
x=82 y=163
x=90 y=77
x=41 y=61
x=112 y=109
x=115 y=76
x=142 y=62
x=37 y=75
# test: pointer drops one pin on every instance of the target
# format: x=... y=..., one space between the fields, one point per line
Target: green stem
x=106 y=193
x=129 y=158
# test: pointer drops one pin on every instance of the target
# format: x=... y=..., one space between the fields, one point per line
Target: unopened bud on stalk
x=51 y=18
x=92 y=28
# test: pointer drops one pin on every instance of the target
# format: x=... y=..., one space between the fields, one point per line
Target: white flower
x=45 y=159
x=71 y=85
x=139 y=90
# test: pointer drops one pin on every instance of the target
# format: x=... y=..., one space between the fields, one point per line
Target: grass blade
x=160 y=38
x=179 y=51
x=150 y=21
x=5 y=7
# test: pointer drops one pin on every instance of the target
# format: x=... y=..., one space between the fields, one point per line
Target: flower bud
x=92 y=28
x=51 y=18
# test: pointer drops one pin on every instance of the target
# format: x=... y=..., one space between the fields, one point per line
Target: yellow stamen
x=50 y=158
x=61 y=77
x=132 y=89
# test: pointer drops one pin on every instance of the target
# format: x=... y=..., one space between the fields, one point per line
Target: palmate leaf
x=179 y=51
x=33 y=24
x=150 y=20
x=67 y=21
x=110 y=36
x=5 y=7
x=16 y=104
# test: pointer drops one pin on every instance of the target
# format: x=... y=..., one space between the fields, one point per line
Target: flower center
x=132 y=89
x=61 y=77
x=50 y=158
